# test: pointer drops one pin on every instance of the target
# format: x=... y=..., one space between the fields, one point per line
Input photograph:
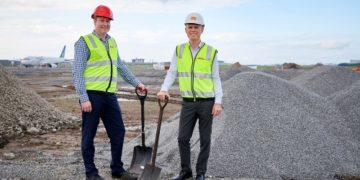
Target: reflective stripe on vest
x=195 y=76
x=101 y=68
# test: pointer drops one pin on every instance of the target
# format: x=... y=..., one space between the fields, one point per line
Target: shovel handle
x=162 y=107
x=142 y=98
x=140 y=95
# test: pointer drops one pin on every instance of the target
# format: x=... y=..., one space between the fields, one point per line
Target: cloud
x=319 y=44
x=25 y=5
x=148 y=36
x=334 y=44
x=139 y=6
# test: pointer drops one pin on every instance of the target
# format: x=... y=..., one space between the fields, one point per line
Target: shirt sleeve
x=170 y=75
x=126 y=74
x=80 y=58
x=217 y=81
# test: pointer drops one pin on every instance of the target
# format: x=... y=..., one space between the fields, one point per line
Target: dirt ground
x=53 y=85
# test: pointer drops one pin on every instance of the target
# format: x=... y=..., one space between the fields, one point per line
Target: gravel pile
x=287 y=74
x=275 y=129
x=23 y=111
x=326 y=80
x=168 y=154
x=348 y=102
x=270 y=128
x=233 y=70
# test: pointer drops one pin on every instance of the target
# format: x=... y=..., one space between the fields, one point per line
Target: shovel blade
x=141 y=156
x=150 y=173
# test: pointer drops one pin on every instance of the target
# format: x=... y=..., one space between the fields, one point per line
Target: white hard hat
x=194 y=18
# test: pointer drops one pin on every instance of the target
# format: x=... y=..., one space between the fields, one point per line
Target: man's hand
x=141 y=87
x=86 y=106
x=162 y=94
x=216 y=110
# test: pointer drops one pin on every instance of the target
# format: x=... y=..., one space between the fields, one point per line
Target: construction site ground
x=55 y=85
x=276 y=124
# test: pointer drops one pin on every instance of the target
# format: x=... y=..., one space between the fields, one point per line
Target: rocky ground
x=61 y=144
x=279 y=124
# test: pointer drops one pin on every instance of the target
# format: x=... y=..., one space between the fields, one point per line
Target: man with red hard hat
x=95 y=70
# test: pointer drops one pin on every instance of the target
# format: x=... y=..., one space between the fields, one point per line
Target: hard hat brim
x=93 y=16
x=194 y=24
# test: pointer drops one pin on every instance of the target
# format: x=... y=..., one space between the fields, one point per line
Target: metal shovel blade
x=141 y=156
x=150 y=173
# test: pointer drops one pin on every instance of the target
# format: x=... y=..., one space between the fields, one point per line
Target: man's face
x=102 y=25
x=194 y=31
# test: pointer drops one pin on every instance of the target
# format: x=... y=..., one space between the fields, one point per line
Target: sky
x=262 y=32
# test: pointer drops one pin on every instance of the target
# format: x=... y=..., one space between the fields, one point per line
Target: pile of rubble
x=273 y=128
x=326 y=80
x=348 y=102
x=23 y=111
x=233 y=70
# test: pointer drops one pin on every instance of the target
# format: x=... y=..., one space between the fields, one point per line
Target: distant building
x=138 y=60
x=355 y=61
x=5 y=62
x=161 y=66
x=252 y=66
x=221 y=62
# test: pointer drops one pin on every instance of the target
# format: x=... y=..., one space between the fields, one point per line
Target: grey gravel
x=326 y=80
x=23 y=111
x=276 y=129
x=168 y=156
x=348 y=102
x=233 y=70
x=271 y=128
x=287 y=74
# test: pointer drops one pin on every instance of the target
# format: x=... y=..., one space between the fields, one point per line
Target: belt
x=198 y=99
x=100 y=92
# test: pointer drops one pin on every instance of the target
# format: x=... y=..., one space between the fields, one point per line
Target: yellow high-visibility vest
x=195 y=75
x=101 y=68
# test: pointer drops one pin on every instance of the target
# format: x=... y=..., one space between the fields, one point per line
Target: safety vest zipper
x=111 y=69
x=192 y=72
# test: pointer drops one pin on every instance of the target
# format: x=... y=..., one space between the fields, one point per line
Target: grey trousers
x=190 y=112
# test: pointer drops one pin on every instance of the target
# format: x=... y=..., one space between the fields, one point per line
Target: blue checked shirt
x=80 y=60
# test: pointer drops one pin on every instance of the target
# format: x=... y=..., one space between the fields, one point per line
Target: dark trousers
x=107 y=108
x=190 y=112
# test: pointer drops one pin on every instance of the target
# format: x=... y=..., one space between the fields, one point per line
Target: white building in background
x=221 y=61
x=161 y=66
x=355 y=61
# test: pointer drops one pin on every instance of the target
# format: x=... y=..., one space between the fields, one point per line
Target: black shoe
x=94 y=177
x=124 y=175
x=200 y=177
x=183 y=175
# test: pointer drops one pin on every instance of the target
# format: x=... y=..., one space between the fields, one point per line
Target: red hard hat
x=103 y=11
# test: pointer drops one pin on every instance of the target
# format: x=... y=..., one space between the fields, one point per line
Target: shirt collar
x=200 y=44
x=107 y=37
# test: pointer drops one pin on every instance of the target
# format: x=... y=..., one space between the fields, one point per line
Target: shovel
x=151 y=172
x=142 y=154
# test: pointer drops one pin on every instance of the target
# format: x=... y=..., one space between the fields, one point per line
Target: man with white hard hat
x=196 y=66
x=194 y=18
